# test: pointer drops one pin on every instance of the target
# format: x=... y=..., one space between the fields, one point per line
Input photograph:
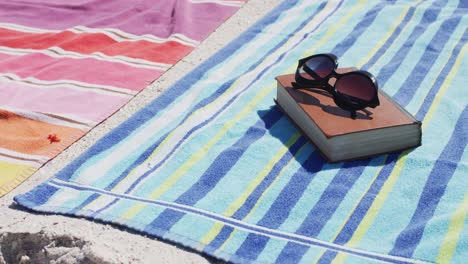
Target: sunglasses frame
x=346 y=102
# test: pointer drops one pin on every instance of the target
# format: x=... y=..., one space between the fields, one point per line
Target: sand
x=35 y=238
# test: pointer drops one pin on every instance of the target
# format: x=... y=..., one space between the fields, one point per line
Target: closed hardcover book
x=384 y=129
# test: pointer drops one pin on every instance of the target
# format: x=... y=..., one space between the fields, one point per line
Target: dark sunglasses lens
x=356 y=86
x=321 y=65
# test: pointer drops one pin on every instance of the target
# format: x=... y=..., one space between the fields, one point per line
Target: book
x=384 y=129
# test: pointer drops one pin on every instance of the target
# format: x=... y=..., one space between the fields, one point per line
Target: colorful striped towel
x=214 y=165
x=66 y=66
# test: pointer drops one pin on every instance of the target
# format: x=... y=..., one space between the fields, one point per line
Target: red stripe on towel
x=168 y=52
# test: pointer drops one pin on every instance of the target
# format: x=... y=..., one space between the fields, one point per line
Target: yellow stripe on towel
x=12 y=175
x=447 y=250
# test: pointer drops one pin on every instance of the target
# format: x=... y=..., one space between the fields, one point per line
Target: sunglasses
x=351 y=91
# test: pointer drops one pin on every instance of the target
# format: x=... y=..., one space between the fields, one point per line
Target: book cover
x=333 y=121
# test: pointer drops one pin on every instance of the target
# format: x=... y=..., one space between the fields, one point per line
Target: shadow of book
x=315 y=162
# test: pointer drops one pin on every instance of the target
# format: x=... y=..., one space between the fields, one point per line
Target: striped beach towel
x=65 y=66
x=214 y=165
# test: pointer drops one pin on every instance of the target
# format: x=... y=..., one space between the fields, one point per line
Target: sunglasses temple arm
x=376 y=102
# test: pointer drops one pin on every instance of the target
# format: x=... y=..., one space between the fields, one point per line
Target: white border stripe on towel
x=238 y=224
x=33 y=164
x=50 y=119
x=21 y=158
